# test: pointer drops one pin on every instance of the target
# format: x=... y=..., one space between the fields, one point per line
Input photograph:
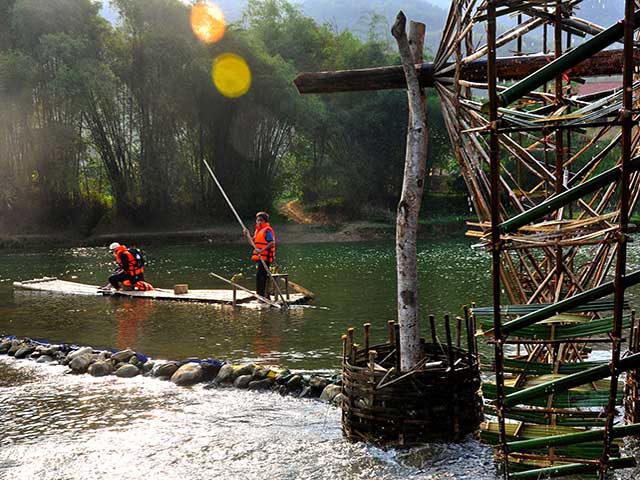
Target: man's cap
x=113 y=246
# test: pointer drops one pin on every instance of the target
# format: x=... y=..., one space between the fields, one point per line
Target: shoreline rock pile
x=128 y=364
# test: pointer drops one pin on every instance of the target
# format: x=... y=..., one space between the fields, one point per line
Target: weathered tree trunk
x=409 y=206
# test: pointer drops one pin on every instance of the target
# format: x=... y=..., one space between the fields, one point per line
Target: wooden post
x=432 y=324
x=350 y=336
x=411 y=197
x=367 y=328
x=392 y=333
x=447 y=326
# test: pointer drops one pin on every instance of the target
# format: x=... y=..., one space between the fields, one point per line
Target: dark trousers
x=261 y=279
x=118 y=278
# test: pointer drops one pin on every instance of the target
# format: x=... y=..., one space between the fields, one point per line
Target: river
x=54 y=425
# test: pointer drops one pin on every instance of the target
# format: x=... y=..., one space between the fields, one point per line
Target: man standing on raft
x=265 y=247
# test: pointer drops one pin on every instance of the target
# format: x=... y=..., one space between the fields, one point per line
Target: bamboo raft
x=233 y=296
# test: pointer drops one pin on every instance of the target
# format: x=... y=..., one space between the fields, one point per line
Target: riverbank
x=228 y=234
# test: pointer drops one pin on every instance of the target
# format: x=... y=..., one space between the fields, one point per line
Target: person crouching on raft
x=265 y=247
x=130 y=272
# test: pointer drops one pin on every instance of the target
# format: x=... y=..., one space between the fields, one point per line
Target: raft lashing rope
x=128 y=363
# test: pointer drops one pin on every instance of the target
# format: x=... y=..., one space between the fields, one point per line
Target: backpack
x=139 y=256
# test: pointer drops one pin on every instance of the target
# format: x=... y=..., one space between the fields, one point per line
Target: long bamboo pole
x=494 y=165
x=244 y=228
x=570 y=381
x=563 y=63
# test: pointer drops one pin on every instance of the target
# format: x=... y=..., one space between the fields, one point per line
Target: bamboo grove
x=102 y=121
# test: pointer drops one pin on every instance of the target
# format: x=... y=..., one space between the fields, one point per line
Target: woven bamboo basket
x=433 y=404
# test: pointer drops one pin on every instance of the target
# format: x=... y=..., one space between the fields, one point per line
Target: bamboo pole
x=244 y=229
x=566 y=197
x=563 y=63
x=235 y=285
x=571 y=381
x=572 y=438
x=392 y=77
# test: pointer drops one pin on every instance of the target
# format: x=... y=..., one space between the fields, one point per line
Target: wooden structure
x=438 y=400
x=553 y=177
x=234 y=296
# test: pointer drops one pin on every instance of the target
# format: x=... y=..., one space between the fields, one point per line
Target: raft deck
x=218 y=296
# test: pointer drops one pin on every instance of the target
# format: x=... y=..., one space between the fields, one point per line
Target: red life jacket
x=260 y=239
x=131 y=268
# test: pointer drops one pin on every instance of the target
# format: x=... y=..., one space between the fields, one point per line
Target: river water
x=59 y=426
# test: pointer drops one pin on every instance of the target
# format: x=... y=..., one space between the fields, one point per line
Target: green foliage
x=114 y=122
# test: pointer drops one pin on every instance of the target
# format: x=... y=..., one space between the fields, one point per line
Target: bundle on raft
x=128 y=363
x=439 y=400
x=234 y=296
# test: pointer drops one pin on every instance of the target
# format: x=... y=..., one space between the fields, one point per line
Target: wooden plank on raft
x=214 y=296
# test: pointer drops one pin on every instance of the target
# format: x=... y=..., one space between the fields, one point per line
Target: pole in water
x=244 y=228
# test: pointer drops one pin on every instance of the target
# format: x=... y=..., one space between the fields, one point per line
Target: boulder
x=210 y=370
x=5 y=345
x=127 y=371
x=318 y=383
x=14 y=348
x=225 y=373
x=80 y=363
x=100 y=368
x=78 y=352
x=307 y=392
x=24 y=351
x=48 y=350
x=123 y=355
x=337 y=400
x=330 y=392
x=188 y=374
x=242 y=381
x=294 y=383
x=283 y=377
x=103 y=356
x=44 y=359
x=147 y=366
x=135 y=361
x=259 y=373
x=264 y=384
x=165 y=369
x=243 y=370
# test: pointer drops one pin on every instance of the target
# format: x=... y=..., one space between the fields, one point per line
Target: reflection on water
x=111 y=428
x=356 y=282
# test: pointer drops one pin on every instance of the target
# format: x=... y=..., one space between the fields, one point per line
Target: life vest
x=139 y=285
x=134 y=267
x=260 y=240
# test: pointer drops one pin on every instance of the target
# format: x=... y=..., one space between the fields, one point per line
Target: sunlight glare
x=231 y=75
x=207 y=22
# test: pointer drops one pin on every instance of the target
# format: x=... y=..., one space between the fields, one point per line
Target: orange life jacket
x=139 y=285
x=260 y=239
x=132 y=270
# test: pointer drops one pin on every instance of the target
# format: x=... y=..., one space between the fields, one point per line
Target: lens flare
x=231 y=75
x=207 y=22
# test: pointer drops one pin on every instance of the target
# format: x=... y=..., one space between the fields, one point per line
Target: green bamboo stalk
x=567 y=304
x=571 y=438
x=572 y=469
x=561 y=64
x=595 y=306
x=566 y=197
x=570 y=381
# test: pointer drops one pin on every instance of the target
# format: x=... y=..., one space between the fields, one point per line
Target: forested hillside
x=105 y=124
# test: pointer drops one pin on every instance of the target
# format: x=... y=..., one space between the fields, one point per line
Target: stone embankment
x=128 y=364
